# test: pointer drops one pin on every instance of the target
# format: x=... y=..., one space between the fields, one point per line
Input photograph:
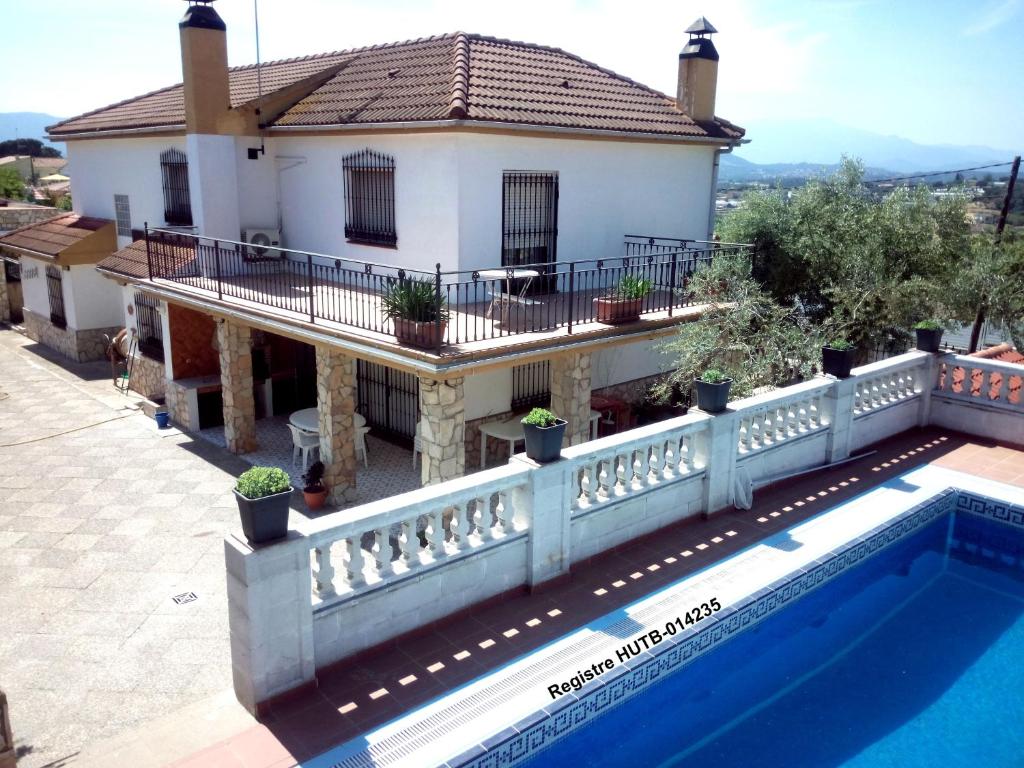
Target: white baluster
x=382 y=551
x=323 y=584
x=685 y=463
x=436 y=533
x=354 y=561
x=657 y=468
x=1003 y=391
x=482 y=518
x=620 y=474
x=410 y=543
x=460 y=528
x=641 y=468
x=604 y=478
x=504 y=514
x=744 y=446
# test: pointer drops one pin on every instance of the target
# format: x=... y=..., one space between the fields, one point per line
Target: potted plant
x=929 y=335
x=263 y=495
x=415 y=308
x=713 y=391
x=163 y=419
x=313 y=489
x=624 y=303
x=544 y=432
x=837 y=358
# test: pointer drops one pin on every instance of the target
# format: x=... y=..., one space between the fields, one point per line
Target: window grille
x=529 y=218
x=123 y=214
x=151 y=329
x=531 y=385
x=12 y=271
x=370 y=198
x=177 y=203
x=55 y=290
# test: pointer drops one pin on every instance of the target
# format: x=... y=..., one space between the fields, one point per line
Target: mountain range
x=27 y=125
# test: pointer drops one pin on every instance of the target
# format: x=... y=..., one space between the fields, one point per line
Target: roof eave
x=112 y=133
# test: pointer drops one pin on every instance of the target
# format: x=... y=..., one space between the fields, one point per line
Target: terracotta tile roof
x=448 y=77
x=52 y=236
x=1003 y=352
x=131 y=261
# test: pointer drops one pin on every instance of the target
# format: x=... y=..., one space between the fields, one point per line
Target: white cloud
x=994 y=16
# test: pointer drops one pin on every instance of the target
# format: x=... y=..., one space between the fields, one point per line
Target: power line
x=938 y=173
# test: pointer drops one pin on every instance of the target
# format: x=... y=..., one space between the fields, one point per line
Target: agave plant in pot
x=837 y=358
x=929 y=335
x=419 y=314
x=313 y=489
x=625 y=302
x=713 y=391
x=544 y=433
x=263 y=495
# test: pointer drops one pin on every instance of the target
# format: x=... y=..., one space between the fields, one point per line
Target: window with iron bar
x=529 y=218
x=370 y=198
x=531 y=385
x=123 y=214
x=177 y=202
x=55 y=291
x=151 y=329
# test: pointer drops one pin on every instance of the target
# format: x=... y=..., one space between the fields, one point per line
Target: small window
x=531 y=385
x=12 y=271
x=55 y=290
x=123 y=213
x=370 y=198
x=177 y=203
x=529 y=218
x=151 y=329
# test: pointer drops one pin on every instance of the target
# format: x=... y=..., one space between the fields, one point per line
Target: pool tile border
x=532 y=735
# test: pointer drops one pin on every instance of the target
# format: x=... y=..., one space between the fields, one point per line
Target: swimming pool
x=794 y=635
x=912 y=658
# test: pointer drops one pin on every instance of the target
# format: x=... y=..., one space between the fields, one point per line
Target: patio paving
x=103 y=520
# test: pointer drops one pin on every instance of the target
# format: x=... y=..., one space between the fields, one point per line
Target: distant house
x=260 y=234
x=31 y=169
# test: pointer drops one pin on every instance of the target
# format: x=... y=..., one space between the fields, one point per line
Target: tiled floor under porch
x=390 y=469
x=400 y=675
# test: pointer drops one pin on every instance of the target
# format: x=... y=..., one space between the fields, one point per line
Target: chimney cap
x=701 y=27
x=202 y=16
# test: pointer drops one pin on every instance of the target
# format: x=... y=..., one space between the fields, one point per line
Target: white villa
x=263 y=213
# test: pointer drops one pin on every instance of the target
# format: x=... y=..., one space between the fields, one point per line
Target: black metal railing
x=150 y=324
x=482 y=305
x=55 y=293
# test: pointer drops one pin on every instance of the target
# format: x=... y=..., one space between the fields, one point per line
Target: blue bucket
x=163 y=419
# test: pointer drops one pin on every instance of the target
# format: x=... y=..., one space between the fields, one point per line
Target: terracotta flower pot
x=428 y=335
x=314 y=499
x=612 y=311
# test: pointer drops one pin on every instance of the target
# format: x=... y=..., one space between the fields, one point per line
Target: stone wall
x=192 y=344
x=176 y=402
x=336 y=404
x=148 y=378
x=497 y=450
x=633 y=392
x=570 y=395
x=235 y=345
x=443 y=420
x=5 y=304
x=79 y=346
x=12 y=218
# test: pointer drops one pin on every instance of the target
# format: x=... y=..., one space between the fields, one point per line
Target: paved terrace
x=373 y=688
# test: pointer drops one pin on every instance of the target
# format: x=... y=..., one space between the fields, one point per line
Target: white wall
x=488 y=393
x=101 y=168
x=607 y=189
x=313 y=197
x=628 y=362
x=91 y=300
x=33 y=286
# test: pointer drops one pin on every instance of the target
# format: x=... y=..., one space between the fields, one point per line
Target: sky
x=934 y=71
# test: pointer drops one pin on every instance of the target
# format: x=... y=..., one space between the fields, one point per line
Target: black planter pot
x=713 y=398
x=264 y=519
x=837 y=362
x=928 y=340
x=544 y=444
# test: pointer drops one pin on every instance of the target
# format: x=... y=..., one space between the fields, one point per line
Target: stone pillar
x=443 y=429
x=546 y=502
x=235 y=344
x=7 y=758
x=570 y=395
x=717 y=456
x=270 y=619
x=5 y=302
x=336 y=404
x=927 y=380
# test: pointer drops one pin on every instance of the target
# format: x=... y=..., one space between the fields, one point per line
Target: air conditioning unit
x=262 y=242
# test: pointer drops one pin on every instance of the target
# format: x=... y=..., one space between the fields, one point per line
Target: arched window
x=177 y=203
x=370 y=198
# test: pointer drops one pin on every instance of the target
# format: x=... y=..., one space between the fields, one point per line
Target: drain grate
x=185 y=597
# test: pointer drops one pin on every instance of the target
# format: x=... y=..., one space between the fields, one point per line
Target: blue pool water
x=915 y=657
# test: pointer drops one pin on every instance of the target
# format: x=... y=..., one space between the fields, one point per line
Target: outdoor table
x=309 y=421
x=511 y=430
x=507 y=299
x=615 y=408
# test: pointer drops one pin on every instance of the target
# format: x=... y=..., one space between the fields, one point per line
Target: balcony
x=529 y=304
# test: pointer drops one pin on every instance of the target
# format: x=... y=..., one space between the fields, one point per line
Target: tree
x=743 y=332
x=865 y=264
x=30 y=147
x=993 y=276
x=11 y=185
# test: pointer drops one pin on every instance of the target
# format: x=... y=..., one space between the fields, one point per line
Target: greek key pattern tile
x=1002 y=511
x=688 y=646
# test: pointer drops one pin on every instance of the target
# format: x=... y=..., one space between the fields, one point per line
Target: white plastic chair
x=304 y=442
x=361 y=445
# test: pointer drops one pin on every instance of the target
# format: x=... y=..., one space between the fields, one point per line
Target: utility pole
x=979 y=319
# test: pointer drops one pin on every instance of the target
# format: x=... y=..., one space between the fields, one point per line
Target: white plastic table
x=506 y=299
x=309 y=421
x=511 y=430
